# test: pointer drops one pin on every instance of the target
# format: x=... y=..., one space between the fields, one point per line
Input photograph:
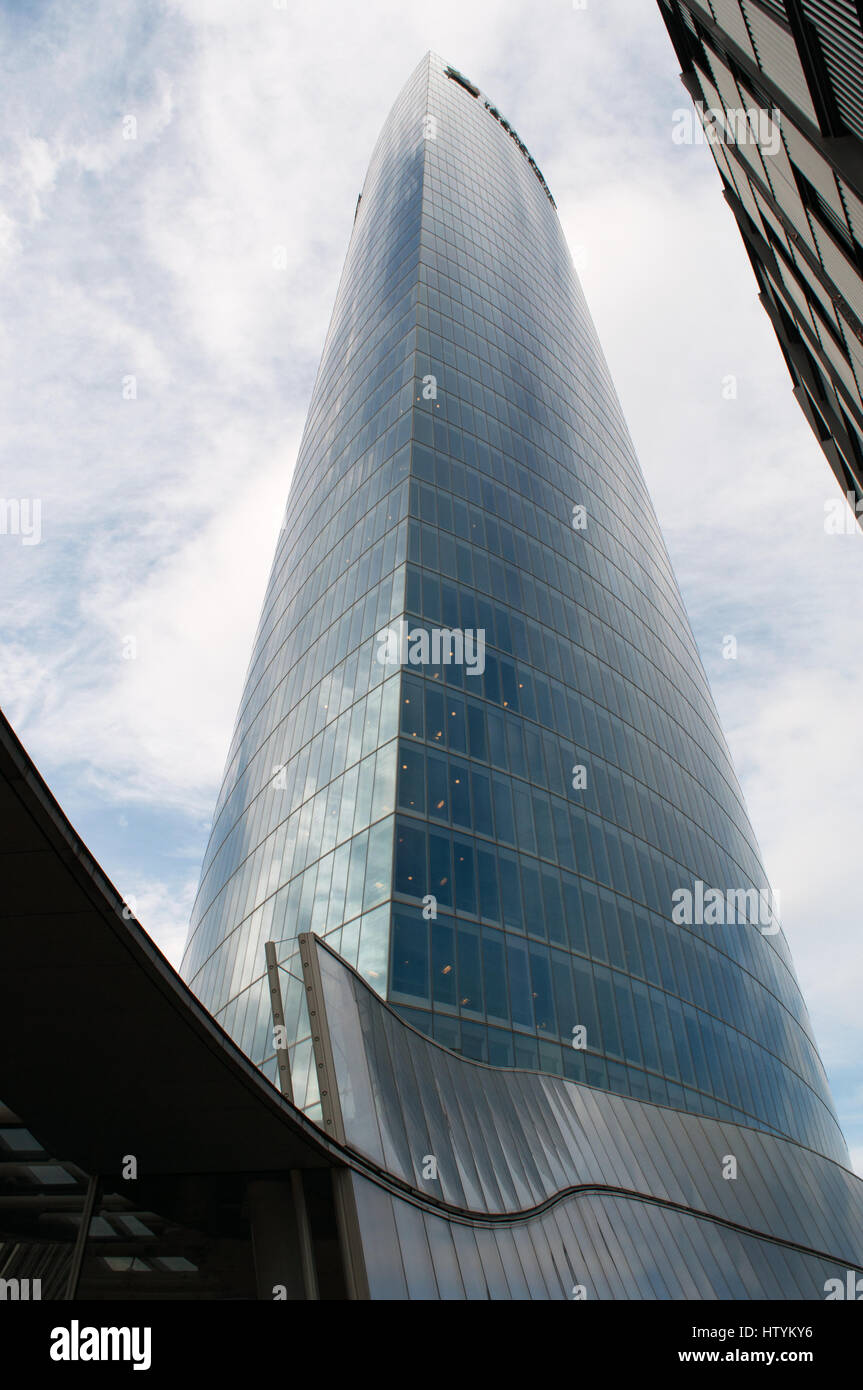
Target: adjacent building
x=778 y=85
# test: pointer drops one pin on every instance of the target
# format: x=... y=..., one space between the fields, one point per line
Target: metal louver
x=838 y=27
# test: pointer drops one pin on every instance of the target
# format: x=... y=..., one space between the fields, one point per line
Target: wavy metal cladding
x=581 y=1188
x=462 y=413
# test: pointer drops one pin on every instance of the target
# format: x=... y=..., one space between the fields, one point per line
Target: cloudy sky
x=155 y=370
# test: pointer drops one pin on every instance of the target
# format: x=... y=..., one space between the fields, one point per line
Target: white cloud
x=163 y=912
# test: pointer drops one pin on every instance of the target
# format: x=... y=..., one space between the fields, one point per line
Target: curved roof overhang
x=106 y=1051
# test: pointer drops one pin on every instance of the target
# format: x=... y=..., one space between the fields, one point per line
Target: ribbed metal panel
x=776 y=8
x=729 y=19
x=816 y=169
x=688 y=20
x=854 y=208
x=838 y=27
x=779 y=59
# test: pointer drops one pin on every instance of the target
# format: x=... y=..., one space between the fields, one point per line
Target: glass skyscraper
x=476 y=750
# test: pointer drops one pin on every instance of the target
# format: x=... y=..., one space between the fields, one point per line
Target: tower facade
x=476 y=750
x=779 y=87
